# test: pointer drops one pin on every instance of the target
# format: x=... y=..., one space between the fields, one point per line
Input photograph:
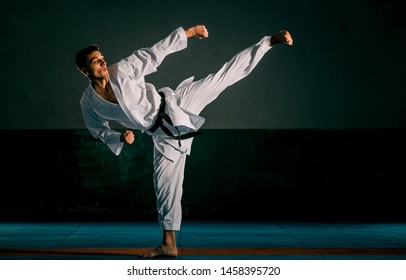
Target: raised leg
x=195 y=96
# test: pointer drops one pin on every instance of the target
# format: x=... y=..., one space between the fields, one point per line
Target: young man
x=119 y=93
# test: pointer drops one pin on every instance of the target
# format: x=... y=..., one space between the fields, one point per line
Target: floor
x=204 y=240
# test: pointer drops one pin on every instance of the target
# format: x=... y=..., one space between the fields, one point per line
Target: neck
x=99 y=83
x=104 y=90
x=100 y=86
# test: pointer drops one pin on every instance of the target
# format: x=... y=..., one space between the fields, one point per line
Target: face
x=96 y=66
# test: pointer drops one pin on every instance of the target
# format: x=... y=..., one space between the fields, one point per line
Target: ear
x=84 y=72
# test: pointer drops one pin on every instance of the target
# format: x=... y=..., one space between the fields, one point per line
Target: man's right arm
x=100 y=129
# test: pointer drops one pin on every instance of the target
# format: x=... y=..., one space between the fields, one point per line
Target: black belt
x=164 y=116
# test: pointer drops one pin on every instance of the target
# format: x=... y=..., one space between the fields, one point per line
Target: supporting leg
x=167 y=249
x=168 y=181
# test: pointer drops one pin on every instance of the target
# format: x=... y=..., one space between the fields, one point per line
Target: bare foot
x=162 y=251
x=282 y=36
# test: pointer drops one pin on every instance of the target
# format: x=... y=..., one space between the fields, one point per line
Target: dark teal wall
x=231 y=174
x=345 y=70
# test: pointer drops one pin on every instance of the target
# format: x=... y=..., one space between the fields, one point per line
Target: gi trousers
x=194 y=97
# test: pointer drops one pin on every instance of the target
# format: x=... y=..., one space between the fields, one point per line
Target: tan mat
x=202 y=251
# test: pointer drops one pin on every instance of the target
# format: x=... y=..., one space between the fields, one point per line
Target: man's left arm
x=146 y=60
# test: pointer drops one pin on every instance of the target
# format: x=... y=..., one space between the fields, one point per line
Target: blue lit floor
x=203 y=240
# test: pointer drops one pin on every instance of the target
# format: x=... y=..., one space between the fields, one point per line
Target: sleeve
x=99 y=128
x=146 y=60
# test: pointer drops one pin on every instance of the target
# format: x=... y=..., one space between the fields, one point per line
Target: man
x=119 y=93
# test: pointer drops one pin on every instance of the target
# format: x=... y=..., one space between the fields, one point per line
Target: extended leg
x=282 y=37
x=195 y=96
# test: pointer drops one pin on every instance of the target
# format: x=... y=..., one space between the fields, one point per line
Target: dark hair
x=80 y=57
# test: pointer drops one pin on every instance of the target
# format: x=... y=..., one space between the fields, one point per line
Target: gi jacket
x=139 y=101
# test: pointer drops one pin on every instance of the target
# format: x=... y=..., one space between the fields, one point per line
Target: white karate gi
x=138 y=107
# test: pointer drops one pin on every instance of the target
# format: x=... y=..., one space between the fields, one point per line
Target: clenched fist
x=127 y=137
x=198 y=31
